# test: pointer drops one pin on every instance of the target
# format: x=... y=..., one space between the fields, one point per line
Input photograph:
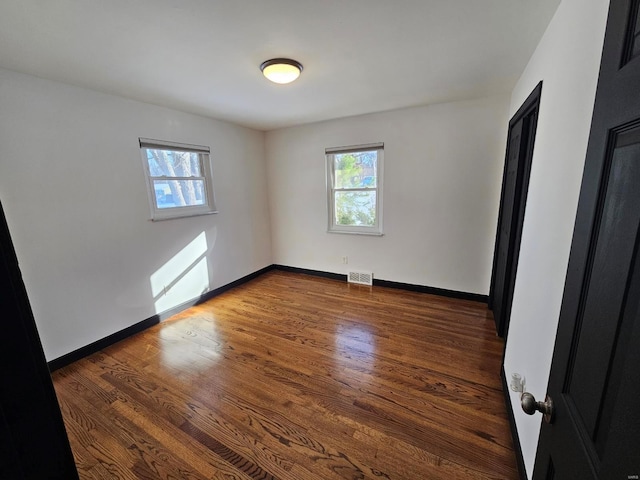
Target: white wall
x=567 y=60
x=73 y=189
x=442 y=171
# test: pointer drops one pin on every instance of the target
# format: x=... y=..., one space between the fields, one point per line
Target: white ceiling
x=203 y=56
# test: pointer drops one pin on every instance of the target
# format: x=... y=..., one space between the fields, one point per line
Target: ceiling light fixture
x=281 y=70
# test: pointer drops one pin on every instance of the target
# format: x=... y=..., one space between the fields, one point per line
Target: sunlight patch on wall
x=183 y=278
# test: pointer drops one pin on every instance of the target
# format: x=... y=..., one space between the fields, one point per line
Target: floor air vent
x=363 y=278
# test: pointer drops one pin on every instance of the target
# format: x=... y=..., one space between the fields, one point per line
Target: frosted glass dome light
x=281 y=70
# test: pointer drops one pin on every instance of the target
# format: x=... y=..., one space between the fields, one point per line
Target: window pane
x=355 y=208
x=171 y=163
x=356 y=169
x=179 y=193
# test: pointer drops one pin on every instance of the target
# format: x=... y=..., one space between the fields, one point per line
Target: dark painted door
x=595 y=373
x=515 y=181
x=33 y=440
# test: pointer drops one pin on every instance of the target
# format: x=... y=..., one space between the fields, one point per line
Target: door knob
x=530 y=406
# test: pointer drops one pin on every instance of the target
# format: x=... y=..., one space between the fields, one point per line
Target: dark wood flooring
x=296 y=377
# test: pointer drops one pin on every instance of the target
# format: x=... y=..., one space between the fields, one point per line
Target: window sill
x=347 y=232
x=183 y=215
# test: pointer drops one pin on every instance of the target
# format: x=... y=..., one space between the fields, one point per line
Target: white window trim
x=333 y=227
x=203 y=152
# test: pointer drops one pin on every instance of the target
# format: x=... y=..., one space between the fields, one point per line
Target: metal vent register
x=363 y=278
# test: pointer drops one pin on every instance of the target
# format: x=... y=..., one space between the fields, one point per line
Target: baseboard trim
x=315 y=273
x=109 y=340
x=98 y=345
x=517 y=448
x=442 y=292
x=476 y=297
x=235 y=283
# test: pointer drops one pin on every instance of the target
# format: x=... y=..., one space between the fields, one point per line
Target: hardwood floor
x=296 y=377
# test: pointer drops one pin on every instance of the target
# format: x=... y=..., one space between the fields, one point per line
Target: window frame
x=208 y=207
x=333 y=226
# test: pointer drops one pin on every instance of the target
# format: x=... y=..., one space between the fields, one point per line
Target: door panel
x=607 y=288
x=632 y=47
x=608 y=311
x=594 y=381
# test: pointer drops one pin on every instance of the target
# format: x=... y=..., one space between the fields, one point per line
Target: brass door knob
x=530 y=406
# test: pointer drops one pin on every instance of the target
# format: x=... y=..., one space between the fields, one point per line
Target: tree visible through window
x=354 y=189
x=167 y=165
x=179 y=179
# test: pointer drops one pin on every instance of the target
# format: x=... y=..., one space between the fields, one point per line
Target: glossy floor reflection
x=297 y=377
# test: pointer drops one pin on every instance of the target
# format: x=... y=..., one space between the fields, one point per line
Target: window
x=178 y=179
x=354 y=187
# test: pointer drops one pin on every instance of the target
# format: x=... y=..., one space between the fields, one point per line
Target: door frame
x=33 y=439
x=530 y=107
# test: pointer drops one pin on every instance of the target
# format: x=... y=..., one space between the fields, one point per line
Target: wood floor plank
x=294 y=377
x=186 y=413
